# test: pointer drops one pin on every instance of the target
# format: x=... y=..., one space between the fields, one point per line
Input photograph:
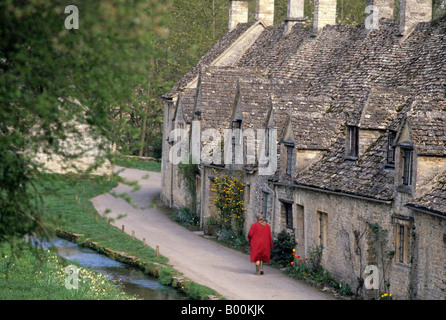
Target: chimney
x=294 y=14
x=238 y=13
x=324 y=13
x=385 y=8
x=265 y=11
x=412 y=12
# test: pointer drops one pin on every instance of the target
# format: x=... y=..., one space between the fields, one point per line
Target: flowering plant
x=229 y=202
x=386 y=296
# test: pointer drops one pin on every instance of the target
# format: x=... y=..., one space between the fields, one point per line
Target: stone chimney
x=238 y=13
x=385 y=8
x=265 y=11
x=413 y=12
x=294 y=14
x=324 y=13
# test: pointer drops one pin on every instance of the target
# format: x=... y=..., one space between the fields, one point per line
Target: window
x=401 y=231
x=267 y=133
x=353 y=141
x=288 y=214
x=236 y=134
x=265 y=204
x=391 y=149
x=289 y=160
x=407 y=166
x=322 y=220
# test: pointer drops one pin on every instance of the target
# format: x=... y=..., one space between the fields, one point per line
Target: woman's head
x=260 y=217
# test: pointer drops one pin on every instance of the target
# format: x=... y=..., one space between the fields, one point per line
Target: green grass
x=69 y=209
x=38 y=274
x=139 y=164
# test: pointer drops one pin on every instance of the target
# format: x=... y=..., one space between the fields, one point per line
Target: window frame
x=402 y=227
x=289 y=165
x=352 y=142
x=236 y=136
x=391 y=151
x=407 y=166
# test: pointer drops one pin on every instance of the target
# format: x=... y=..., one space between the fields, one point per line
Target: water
x=130 y=280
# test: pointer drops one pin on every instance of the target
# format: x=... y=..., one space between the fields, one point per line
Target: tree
x=53 y=78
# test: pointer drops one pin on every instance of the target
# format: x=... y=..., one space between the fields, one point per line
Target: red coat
x=261 y=242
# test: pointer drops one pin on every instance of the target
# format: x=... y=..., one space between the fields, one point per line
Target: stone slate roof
x=314 y=126
x=381 y=107
x=365 y=177
x=427 y=122
x=366 y=79
x=435 y=199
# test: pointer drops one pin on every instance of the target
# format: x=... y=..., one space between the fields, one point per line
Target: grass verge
x=70 y=211
x=39 y=274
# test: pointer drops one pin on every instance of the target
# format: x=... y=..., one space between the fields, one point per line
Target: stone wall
x=82 y=152
x=431 y=259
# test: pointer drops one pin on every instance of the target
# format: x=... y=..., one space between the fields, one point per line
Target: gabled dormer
x=178 y=118
x=405 y=159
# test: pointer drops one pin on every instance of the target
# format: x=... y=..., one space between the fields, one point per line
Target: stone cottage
x=355 y=133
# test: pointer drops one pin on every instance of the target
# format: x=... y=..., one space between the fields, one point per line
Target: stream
x=131 y=280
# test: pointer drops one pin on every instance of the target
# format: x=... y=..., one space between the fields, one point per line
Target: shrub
x=283 y=246
x=185 y=216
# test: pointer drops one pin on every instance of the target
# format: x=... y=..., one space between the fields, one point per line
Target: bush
x=283 y=246
x=186 y=217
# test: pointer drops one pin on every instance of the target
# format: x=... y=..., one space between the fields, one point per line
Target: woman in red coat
x=261 y=242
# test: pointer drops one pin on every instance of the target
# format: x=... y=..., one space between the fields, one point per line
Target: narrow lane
x=225 y=270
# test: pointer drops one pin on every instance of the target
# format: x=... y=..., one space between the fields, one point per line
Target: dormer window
x=236 y=134
x=267 y=140
x=407 y=155
x=289 y=159
x=352 y=141
x=391 y=149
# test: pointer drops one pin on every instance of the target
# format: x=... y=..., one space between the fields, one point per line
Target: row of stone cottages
x=360 y=117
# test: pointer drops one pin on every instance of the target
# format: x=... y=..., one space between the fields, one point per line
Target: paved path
x=225 y=270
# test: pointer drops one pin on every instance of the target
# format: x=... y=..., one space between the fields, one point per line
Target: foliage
x=310 y=269
x=229 y=202
x=44 y=278
x=283 y=247
x=53 y=79
x=186 y=217
x=134 y=163
x=189 y=173
x=381 y=254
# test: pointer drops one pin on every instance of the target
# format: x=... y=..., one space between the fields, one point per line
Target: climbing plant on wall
x=229 y=201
